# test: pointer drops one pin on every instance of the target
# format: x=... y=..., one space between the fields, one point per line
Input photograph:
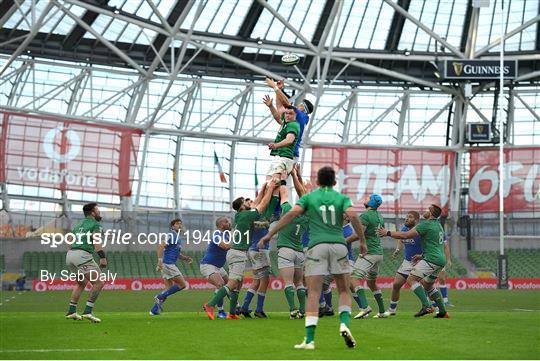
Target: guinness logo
x=458 y=68
x=479 y=128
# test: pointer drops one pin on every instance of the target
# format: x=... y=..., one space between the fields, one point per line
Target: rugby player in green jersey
x=428 y=265
x=368 y=262
x=291 y=257
x=80 y=260
x=327 y=251
x=283 y=148
x=247 y=212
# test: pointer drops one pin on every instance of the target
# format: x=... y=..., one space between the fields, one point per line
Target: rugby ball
x=290 y=59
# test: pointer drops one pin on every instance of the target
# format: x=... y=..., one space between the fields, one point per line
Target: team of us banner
x=413 y=179
x=67 y=155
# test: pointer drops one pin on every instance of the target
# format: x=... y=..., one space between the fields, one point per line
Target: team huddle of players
x=314 y=242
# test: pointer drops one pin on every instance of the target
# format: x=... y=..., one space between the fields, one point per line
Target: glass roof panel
x=220 y=17
x=363 y=25
x=444 y=17
x=517 y=13
x=302 y=16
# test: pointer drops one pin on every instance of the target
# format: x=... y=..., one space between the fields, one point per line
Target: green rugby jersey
x=267 y=213
x=291 y=235
x=324 y=208
x=81 y=229
x=243 y=228
x=372 y=220
x=286 y=128
x=432 y=234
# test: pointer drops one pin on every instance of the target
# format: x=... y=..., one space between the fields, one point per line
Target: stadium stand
x=143 y=264
x=522 y=263
x=2 y=263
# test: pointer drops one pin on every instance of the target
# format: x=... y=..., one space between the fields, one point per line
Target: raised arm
x=266 y=197
x=297 y=181
x=275 y=114
x=280 y=97
x=257 y=200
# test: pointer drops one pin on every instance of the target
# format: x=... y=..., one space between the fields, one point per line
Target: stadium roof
x=349 y=42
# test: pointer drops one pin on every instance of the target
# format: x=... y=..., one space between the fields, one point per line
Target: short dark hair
x=309 y=106
x=174 y=221
x=88 y=208
x=237 y=203
x=326 y=176
x=435 y=210
x=415 y=214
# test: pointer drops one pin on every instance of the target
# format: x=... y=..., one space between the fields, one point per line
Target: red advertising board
x=406 y=179
x=66 y=154
x=521 y=181
x=152 y=284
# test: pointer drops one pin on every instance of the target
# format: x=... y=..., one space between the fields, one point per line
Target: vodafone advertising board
x=67 y=154
x=152 y=284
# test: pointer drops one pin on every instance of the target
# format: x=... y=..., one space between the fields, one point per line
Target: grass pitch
x=488 y=324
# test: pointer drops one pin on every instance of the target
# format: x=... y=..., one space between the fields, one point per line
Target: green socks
x=362 y=297
x=311 y=324
x=301 y=293
x=234 y=301
x=378 y=297
x=310 y=333
x=437 y=297
x=88 y=308
x=345 y=317
x=72 y=308
x=219 y=295
x=420 y=293
x=289 y=294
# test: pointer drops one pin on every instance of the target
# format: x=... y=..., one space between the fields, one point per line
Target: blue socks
x=328 y=297
x=169 y=291
x=393 y=305
x=247 y=300
x=322 y=301
x=260 y=301
x=444 y=292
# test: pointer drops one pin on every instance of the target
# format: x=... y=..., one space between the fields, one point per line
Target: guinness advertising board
x=479 y=69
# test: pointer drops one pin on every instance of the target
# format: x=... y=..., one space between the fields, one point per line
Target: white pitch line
x=523 y=309
x=67 y=350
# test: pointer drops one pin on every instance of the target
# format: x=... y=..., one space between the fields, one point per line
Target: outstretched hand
x=267 y=100
x=382 y=232
x=270 y=82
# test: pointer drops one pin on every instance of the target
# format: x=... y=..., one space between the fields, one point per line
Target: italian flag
x=220 y=170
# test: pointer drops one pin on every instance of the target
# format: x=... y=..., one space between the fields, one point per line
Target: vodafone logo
x=40 y=287
x=276 y=284
x=74 y=142
x=461 y=285
x=136 y=285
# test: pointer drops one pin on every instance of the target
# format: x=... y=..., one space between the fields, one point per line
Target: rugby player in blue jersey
x=412 y=247
x=214 y=259
x=168 y=253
